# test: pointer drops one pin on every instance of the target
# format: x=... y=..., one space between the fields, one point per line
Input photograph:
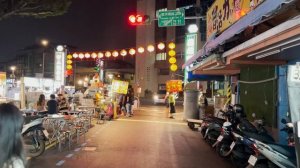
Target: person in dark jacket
x=52 y=105
x=129 y=98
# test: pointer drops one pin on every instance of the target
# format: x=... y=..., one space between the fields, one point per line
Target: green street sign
x=171 y=18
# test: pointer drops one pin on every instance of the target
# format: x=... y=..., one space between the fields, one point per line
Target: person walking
x=120 y=103
x=129 y=101
x=11 y=146
x=167 y=104
x=52 y=105
x=172 y=104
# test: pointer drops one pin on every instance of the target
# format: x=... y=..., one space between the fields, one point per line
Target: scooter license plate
x=220 y=138
x=232 y=145
x=252 y=160
x=46 y=133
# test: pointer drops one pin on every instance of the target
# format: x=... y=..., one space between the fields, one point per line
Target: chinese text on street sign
x=171 y=18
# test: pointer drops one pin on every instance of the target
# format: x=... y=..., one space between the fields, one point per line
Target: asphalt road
x=146 y=140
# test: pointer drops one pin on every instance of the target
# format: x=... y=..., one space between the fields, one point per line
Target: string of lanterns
x=124 y=52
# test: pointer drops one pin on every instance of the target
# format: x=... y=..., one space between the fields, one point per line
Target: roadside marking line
x=83 y=144
x=77 y=149
x=160 y=122
x=60 y=163
x=69 y=155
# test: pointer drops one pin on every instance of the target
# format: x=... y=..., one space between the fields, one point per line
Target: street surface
x=146 y=140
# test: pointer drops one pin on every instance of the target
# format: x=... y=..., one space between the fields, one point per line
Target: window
x=161 y=56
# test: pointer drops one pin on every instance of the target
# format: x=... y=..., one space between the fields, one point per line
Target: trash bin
x=190 y=104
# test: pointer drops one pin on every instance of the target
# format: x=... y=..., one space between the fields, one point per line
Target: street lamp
x=13 y=68
x=44 y=43
x=193 y=28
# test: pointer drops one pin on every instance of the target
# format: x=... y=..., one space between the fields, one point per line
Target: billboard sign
x=223 y=13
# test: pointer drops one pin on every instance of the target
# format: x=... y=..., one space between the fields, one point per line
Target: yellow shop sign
x=120 y=87
x=223 y=13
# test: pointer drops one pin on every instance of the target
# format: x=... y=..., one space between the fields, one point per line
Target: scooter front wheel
x=222 y=149
x=34 y=144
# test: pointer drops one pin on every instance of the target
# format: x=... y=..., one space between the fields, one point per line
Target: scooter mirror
x=283 y=121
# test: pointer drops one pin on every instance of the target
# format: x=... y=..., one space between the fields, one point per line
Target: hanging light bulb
x=94 y=55
x=173 y=67
x=115 y=53
x=161 y=46
x=81 y=56
x=75 y=55
x=141 y=49
x=107 y=54
x=132 y=51
x=172 y=60
x=172 y=53
x=150 y=48
x=123 y=53
x=69 y=62
x=69 y=56
x=171 y=45
x=87 y=55
x=100 y=55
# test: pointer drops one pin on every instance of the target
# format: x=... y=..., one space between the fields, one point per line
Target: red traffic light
x=132 y=19
x=138 y=19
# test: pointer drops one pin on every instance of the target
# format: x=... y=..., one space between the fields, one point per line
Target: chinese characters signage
x=171 y=18
x=190 y=49
x=59 y=68
x=223 y=13
x=174 y=86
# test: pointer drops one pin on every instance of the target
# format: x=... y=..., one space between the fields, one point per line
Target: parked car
x=159 y=97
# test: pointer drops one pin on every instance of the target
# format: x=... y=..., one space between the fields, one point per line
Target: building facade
x=153 y=69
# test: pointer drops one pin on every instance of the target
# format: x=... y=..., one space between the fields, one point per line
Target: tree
x=33 y=8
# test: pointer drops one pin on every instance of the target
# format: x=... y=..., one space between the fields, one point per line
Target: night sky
x=88 y=25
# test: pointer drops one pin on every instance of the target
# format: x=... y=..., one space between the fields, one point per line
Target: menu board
x=119 y=86
x=174 y=86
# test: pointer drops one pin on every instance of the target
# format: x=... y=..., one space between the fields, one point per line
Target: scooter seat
x=285 y=150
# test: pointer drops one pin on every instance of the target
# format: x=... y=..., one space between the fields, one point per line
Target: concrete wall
x=145 y=72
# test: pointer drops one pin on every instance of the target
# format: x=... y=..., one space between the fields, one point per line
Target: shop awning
x=265 y=10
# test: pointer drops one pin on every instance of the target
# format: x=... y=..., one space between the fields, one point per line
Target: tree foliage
x=33 y=8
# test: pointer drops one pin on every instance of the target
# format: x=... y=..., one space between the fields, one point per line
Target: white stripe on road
x=83 y=144
x=69 y=155
x=60 y=163
x=149 y=121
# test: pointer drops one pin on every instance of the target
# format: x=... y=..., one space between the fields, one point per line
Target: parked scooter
x=212 y=129
x=234 y=139
x=34 y=136
x=272 y=155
